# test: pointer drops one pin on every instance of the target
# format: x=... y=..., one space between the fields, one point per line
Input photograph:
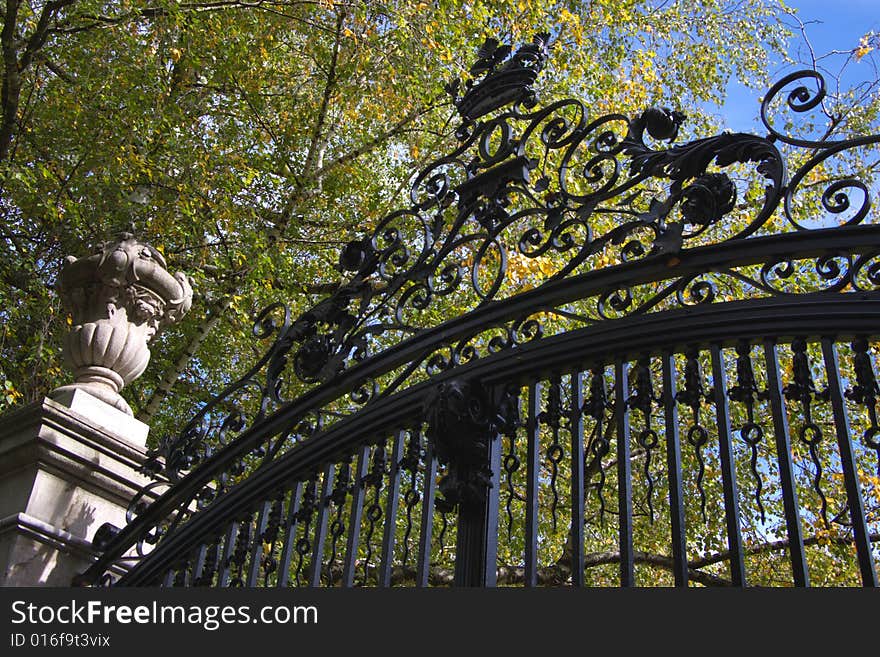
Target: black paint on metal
x=673 y=466
x=791 y=507
x=624 y=476
x=728 y=469
x=371 y=365
x=850 y=472
x=576 y=430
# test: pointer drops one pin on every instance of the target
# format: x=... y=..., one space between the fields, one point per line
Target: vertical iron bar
x=357 y=509
x=199 y=566
x=490 y=576
x=212 y=562
x=228 y=547
x=848 y=462
x=289 y=536
x=168 y=581
x=728 y=472
x=624 y=476
x=427 y=522
x=391 y=504
x=790 y=503
x=673 y=467
x=257 y=547
x=533 y=429
x=316 y=567
x=577 y=479
x=477 y=530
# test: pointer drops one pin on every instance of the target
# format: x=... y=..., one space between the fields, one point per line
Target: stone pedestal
x=67 y=466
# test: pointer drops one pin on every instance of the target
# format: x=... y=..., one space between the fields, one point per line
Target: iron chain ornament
x=375 y=480
x=552 y=417
x=866 y=392
x=746 y=392
x=410 y=463
x=559 y=247
x=643 y=400
x=693 y=396
x=337 y=527
x=306 y=513
x=803 y=390
x=270 y=536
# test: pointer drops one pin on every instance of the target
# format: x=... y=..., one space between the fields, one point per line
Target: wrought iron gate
x=582 y=356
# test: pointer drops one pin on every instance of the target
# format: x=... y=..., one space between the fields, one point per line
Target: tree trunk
x=212 y=318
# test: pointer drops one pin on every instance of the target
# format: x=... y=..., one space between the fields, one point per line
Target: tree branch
x=13 y=66
x=329 y=86
x=772 y=546
x=558 y=573
x=11 y=91
x=378 y=140
x=212 y=318
x=41 y=31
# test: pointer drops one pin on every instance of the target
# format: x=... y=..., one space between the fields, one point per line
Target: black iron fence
x=709 y=463
x=580 y=357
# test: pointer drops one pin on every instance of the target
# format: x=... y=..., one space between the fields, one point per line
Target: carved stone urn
x=119 y=298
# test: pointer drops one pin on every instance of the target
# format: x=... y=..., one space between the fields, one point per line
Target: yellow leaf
x=864 y=47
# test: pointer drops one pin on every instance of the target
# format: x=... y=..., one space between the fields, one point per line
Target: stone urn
x=118 y=298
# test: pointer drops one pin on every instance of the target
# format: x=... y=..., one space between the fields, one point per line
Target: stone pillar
x=65 y=469
x=70 y=463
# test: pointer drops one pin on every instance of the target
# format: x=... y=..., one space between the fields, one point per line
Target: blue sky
x=831 y=25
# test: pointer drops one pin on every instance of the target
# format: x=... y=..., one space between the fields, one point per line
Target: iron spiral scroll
x=539 y=221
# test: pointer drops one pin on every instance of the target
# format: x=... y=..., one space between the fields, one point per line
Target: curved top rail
x=843 y=260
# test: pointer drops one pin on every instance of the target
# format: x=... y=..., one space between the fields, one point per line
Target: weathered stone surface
x=62 y=475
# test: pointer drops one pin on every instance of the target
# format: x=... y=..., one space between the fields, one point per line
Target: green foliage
x=249 y=141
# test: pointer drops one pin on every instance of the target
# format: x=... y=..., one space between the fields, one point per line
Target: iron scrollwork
x=530 y=196
x=463 y=417
x=523 y=183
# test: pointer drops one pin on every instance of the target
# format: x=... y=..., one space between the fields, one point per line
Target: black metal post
x=289 y=535
x=728 y=469
x=427 y=522
x=848 y=462
x=391 y=504
x=257 y=546
x=477 y=536
x=533 y=428
x=577 y=480
x=354 y=523
x=316 y=567
x=228 y=547
x=465 y=421
x=624 y=476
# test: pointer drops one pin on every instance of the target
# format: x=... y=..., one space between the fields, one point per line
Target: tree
x=248 y=141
